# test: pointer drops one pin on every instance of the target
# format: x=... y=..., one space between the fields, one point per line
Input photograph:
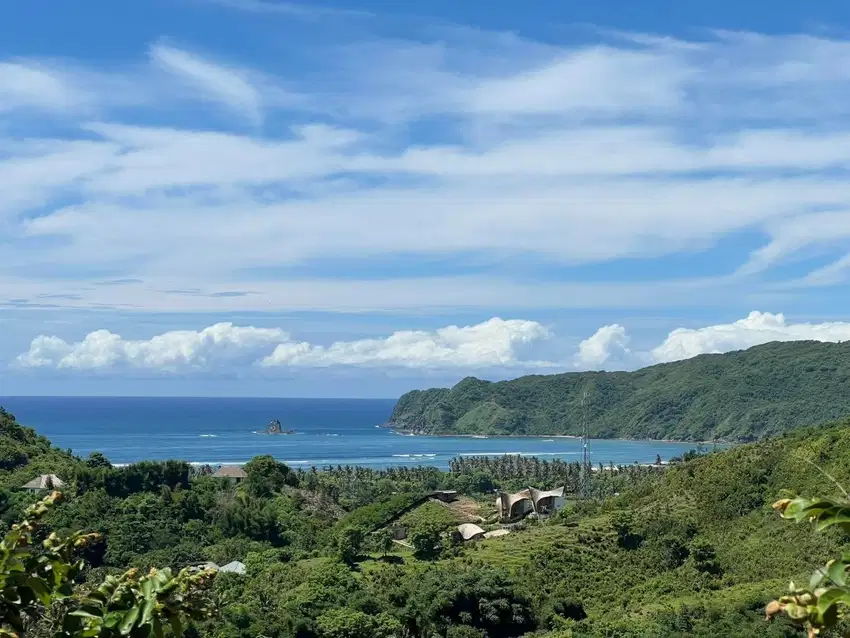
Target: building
x=232 y=473
x=470 y=532
x=44 y=482
x=446 y=496
x=234 y=567
x=529 y=501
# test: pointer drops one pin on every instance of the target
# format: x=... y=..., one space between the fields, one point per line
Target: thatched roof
x=44 y=482
x=230 y=471
x=469 y=531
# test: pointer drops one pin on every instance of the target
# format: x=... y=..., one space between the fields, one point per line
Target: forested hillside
x=693 y=550
x=739 y=396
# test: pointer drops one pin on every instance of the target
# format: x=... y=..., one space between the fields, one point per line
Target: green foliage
x=347 y=623
x=349 y=544
x=756 y=393
x=688 y=550
x=426 y=541
x=267 y=476
x=38 y=591
x=824 y=602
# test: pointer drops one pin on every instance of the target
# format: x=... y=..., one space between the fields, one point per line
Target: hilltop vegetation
x=692 y=550
x=738 y=396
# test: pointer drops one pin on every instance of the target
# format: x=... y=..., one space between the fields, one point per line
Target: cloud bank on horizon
x=496 y=343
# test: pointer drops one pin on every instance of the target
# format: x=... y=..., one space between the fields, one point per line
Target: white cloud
x=609 y=342
x=573 y=154
x=101 y=349
x=492 y=344
x=223 y=84
x=756 y=329
x=32 y=85
x=292 y=9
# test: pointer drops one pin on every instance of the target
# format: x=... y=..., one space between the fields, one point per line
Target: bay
x=328 y=432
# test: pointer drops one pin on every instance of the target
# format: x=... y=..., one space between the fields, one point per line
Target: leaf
x=82 y=613
x=837 y=573
x=129 y=621
x=147 y=611
x=112 y=619
x=176 y=625
x=832 y=597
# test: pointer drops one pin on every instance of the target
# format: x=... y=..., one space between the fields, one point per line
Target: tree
x=349 y=543
x=39 y=593
x=426 y=541
x=267 y=476
x=385 y=541
x=349 y=623
x=825 y=602
x=97 y=459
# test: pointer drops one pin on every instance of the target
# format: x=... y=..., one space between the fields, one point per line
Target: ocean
x=328 y=432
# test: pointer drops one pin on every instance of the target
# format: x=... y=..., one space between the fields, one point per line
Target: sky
x=260 y=198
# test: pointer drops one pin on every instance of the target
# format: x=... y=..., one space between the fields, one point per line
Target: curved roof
x=496 y=533
x=469 y=531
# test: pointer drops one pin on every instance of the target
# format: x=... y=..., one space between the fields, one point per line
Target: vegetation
x=39 y=593
x=739 y=396
x=694 y=549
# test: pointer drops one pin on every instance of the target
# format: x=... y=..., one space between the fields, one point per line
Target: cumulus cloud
x=607 y=343
x=220 y=343
x=756 y=329
x=493 y=343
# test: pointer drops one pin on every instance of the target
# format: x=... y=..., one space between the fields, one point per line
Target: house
x=44 y=482
x=234 y=567
x=528 y=501
x=399 y=532
x=446 y=496
x=232 y=473
x=470 y=532
x=496 y=533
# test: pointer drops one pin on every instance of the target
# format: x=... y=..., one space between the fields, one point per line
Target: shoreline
x=552 y=436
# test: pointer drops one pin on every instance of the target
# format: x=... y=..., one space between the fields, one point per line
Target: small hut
x=232 y=473
x=446 y=496
x=470 y=532
x=234 y=567
x=44 y=482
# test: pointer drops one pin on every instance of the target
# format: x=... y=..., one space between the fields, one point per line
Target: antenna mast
x=584 y=477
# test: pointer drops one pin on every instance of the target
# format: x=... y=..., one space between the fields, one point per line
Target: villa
x=529 y=501
x=232 y=473
x=43 y=482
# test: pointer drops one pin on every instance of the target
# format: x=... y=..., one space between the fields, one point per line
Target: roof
x=496 y=533
x=44 y=482
x=235 y=567
x=538 y=494
x=230 y=471
x=469 y=531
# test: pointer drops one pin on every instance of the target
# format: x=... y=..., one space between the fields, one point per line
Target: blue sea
x=328 y=432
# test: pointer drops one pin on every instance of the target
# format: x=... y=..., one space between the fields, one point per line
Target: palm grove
x=692 y=550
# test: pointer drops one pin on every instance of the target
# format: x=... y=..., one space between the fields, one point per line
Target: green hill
x=24 y=454
x=737 y=396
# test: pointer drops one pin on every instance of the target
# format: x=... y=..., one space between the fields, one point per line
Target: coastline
x=401 y=432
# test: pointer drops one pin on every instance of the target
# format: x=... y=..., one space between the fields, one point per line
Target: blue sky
x=245 y=197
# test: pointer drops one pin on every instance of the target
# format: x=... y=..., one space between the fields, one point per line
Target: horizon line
x=140 y=396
